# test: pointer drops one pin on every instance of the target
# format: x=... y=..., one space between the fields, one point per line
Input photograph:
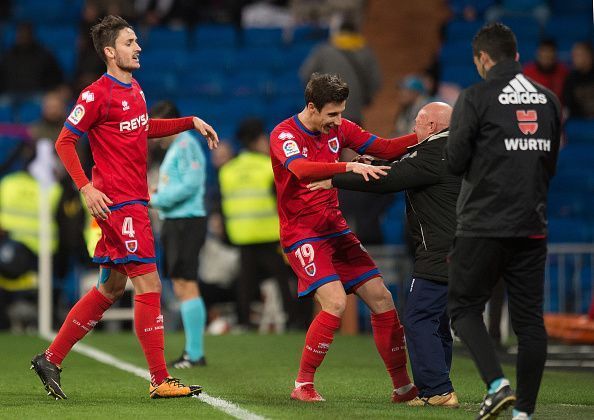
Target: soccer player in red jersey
x=112 y=111
x=326 y=256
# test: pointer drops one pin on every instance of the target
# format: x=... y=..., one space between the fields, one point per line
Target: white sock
x=404 y=389
x=299 y=384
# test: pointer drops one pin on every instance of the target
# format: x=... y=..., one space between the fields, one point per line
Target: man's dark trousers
x=428 y=336
x=476 y=265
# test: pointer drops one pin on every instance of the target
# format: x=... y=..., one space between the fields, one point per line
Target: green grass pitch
x=256 y=373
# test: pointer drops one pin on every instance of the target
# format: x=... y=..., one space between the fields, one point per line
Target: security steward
x=251 y=220
x=504 y=140
x=431 y=194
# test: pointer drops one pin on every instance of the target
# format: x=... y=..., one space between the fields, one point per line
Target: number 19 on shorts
x=305 y=253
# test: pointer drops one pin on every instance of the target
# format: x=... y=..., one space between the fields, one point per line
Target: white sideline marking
x=218 y=403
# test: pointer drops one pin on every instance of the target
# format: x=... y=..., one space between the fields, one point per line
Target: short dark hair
x=164 y=109
x=548 y=43
x=497 y=40
x=105 y=33
x=324 y=88
x=250 y=130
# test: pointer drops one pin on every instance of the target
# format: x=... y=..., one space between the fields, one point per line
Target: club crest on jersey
x=285 y=136
x=125 y=106
x=77 y=114
x=333 y=144
x=87 y=96
x=310 y=269
x=290 y=148
x=527 y=121
x=132 y=245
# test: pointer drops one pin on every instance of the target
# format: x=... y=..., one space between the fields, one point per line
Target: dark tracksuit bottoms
x=428 y=336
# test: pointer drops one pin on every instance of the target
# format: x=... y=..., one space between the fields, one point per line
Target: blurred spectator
x=348 y=55
x=249 y=208
x=328 y=12
x=537 y=9
x=470 y=10
x=547 y=69
x=53 y=114
x=19 y=208
x=579 y=85
x=28 y=67
x=411 y=98
x=265 y=14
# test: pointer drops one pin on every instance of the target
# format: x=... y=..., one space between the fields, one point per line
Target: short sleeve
x=285 y=146
x=86 y=112
x=355 y=138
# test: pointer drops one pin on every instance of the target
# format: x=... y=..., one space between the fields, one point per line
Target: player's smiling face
x=127 y=50
x=329 y=117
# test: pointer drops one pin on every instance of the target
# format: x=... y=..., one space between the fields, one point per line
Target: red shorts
x=127 y=243
x=319 y=261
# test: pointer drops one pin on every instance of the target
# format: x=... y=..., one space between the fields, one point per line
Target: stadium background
x=214 y=67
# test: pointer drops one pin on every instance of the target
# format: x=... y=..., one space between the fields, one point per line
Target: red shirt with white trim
x=306 y=214
x=114 y=116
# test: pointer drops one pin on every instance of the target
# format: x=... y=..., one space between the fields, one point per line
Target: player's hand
x=96 y=201
x=366 y=159
x=207 y=131
x=322 y=184
x=367 y=171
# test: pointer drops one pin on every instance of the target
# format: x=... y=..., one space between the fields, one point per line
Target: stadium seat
x=152 y=58
x=526 y=28
x=43 y=11
x=308 y=34
x=163 y=37
x=28 y=112
x=463 y=76
x=262 y=37
x=564 y=230
x=569 y=28
x=57 y=37
x=570 y=7
x=259 y=58
x=210 y=84
x=211 y=36
x=564 y=204
x=287 y=84
x=157 y=84
x=393 y=222
x=460 y=30
x=5 y=113
x=250 y=83
x=579 y=132
x=457 y=53
x=212 y=59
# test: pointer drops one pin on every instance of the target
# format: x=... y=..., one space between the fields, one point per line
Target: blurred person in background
x=180 y=200
x=348 y=55
x=251 y=221
x=547 y=69
x=412 y=96
x=27 y=67
x=578 y=93
x=113 y=112
x=19 y=222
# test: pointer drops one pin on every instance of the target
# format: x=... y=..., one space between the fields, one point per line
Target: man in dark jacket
x=504 y=139
x=431 y=194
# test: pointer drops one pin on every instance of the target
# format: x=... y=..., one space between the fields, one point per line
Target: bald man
x=431 y=194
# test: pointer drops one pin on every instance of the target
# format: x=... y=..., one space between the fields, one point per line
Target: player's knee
x=113 y=293
x=336 y=305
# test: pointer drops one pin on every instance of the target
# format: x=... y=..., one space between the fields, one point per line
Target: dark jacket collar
x=504 y=68
x=443 y=133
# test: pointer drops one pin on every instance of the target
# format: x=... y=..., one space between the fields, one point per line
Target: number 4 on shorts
x=128 y=227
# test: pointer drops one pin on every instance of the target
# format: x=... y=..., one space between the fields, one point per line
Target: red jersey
x=114 y=116
x=310 y=215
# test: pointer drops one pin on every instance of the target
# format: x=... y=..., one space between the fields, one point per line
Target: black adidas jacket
x=431 y=193
x=504 y=139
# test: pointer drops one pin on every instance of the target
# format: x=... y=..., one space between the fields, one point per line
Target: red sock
x=317 y=342
x=389 y=340
x=148 y=323
x=80 y=320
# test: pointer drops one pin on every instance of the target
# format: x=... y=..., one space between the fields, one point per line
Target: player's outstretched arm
x=167 y=127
